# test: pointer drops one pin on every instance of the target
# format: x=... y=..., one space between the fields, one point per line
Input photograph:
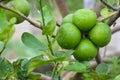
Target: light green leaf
x=3 y=20
x=117 y=77
x=102 y=68
x=104 y=12
x=8 y=31
x=76 y=67
x=6 y=68
x=49 y=28
x=34 y=76
x=39 y=61
x=111 y=1
x=49 y=19
x=32 y=42
x=1 y=45
x=65 y=54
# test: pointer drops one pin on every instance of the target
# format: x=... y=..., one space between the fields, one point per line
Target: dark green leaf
x=102 y=68
x=6 y=68
x=36 y=62
x=76 y=67
x=3 y=20
x=32 y=42
x=21 y=68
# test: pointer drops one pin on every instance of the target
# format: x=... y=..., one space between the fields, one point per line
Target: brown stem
x=114 y=18
x=98 y=57
x=62 y=7
x=116 y=29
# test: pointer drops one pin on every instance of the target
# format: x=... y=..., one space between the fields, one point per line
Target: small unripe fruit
x=100 y=34
x=84 y=19
x=85 y=51
x=68 y=36
x=68 y=19
x=18 y=5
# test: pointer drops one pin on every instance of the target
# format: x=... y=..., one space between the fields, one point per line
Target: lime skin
x=85 y=51
x=68 y=19
x=84 y=19
x=100 y=34
x=68 y=36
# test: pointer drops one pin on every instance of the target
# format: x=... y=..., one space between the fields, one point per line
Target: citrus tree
x=81 y=34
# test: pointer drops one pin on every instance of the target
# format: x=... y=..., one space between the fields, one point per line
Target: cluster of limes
x=81 y=31
x=21 y=6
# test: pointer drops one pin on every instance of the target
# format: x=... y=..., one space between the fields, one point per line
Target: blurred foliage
x=16 y=49
x=74 y=5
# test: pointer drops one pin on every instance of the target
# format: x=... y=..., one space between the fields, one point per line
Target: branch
x=62 y=7
x=114 y=18
x=116 y=29
x=104 y=18
x=23 y=16
x=108 y=5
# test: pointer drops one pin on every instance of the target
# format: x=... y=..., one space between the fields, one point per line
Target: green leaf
x=6 y=68
x=111 y=1
x=34 y=76
x=32 y=42
x=39 y=61
x=8 y=31
x=49 y=19
x=49 y=27
x=65 y=54
x=21 y=68
x=117 y=77
x=102 y=68
x=76 y=67
x=1 y=45
x=104 y=12
x=3 y=20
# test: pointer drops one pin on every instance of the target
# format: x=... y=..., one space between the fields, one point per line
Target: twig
x=58 y=24
x=108 y=5
x=23 y=16
x=116 y=29
x=2 y=50
x=104 y=18
x=114 y=18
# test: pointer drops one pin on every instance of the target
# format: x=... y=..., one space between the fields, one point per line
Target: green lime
x=84 y=19
x=68 y=36
x=100 y=34
x=67 y=19
x=18 y=5
x=86 y=50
